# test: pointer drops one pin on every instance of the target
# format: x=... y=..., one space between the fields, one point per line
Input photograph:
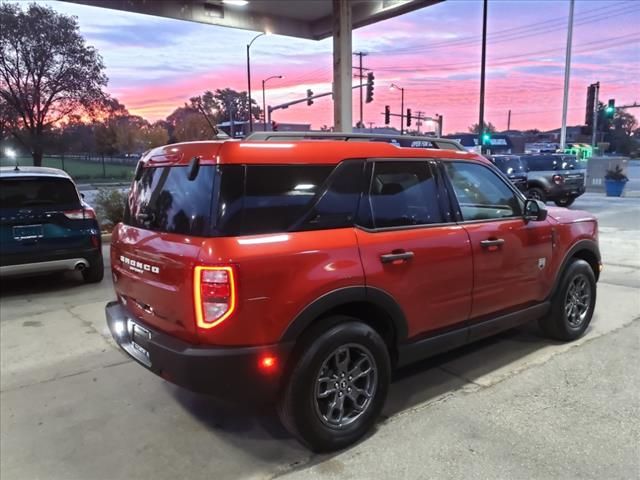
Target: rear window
x=165 y=200
x=30 y=192
x=551 y=162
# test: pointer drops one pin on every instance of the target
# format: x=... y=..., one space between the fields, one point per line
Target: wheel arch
x=586 y=250
x=373 y=306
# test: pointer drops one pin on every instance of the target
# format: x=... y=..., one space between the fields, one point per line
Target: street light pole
x=249 y=79
x=264 y=101
x=482 y=70
x=393 y=85
x=567 y=72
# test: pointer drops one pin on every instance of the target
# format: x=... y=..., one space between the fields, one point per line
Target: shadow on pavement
x=414 y=385
x=51 y=283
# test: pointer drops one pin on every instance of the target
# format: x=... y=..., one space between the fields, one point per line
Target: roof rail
x=411 y=141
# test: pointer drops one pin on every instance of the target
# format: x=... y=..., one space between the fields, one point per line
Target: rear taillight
x=214 y=294
x=558 y=179
x=81 y=214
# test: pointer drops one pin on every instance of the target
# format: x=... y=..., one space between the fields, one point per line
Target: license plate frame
x=28 y=232
x=138 y=334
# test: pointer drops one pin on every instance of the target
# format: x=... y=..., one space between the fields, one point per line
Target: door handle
x=396 y=257
x=494 y=242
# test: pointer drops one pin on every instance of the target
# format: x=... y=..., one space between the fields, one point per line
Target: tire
x=566 y=322
x=537 y=194
x=311 y=419
x=565 y=202
x=95 y=272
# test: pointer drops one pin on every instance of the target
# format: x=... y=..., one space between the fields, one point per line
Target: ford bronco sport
x=302 y=272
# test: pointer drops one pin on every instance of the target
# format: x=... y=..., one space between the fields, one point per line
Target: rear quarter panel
x=278 y=276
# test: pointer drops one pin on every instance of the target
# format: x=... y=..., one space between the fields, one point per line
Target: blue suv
x=45 y=226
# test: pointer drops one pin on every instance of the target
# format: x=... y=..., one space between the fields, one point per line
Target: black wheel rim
x=535 y=195
x=345 y=385
x=577 y=301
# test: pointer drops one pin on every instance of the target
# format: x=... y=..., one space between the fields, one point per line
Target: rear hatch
x=568 y=166
x=155 y=250
x=41 y=217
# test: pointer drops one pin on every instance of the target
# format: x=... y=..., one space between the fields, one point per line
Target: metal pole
x=249 y=88
x=401 y=111
x=482 y=71
x=264 y=107
x=595 y=115
x=509 y=121
x=567 y=72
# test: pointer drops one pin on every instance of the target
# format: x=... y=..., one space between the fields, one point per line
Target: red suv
x=303 y=272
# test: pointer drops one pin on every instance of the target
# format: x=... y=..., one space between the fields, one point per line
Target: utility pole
x=370 y=127
x=567 y=72
x=360 y=76
x=419 y=118
x=482 y=72
x=439 y=125
x=594 y=133
x=509 y=121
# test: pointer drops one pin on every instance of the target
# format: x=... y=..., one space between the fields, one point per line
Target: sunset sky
x=154 y=65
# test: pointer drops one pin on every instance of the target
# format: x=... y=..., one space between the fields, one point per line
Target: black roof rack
x=411 y=141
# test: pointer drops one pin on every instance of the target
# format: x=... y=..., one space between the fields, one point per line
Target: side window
x=403 y=194
x=481 y=193
x=337 y=204
x=277 y=196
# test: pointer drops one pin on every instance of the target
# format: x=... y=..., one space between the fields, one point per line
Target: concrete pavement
x=515 y=406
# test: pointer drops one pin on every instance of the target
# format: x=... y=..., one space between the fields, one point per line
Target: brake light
x=81 y=214
x=214 y=294
x=558 y=179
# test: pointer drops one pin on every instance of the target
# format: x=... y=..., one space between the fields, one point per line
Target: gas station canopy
x=310 y=19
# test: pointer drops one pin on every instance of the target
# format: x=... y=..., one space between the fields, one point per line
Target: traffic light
x=309 y=95
x=274 y=126
x=370 y=79
x=387 y=115
x=486 y=138
x=408 y=117
x=611 y=108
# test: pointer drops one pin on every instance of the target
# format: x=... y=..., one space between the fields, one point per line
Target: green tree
x=47 y=72
x=488 y=127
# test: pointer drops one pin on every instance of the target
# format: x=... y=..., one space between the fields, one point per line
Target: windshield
x=511 y=165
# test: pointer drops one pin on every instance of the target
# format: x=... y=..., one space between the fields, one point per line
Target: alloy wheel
x=577 y=300
x=345 y=385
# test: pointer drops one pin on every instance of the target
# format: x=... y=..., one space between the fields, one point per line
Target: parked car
x=514 y=167
x=45 y=225
x=554 y=177
x=303 y=272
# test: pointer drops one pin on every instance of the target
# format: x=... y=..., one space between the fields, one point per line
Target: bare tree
x=47 y=72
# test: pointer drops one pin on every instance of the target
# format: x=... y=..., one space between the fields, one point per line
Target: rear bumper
x=44 y=262
x=228 y=373
x=564 y=191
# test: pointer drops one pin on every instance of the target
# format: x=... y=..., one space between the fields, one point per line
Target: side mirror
x=534 y=210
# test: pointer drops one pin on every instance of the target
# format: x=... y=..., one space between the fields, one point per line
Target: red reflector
x=268 y=363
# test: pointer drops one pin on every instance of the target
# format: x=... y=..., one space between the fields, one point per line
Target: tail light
x=558 y=179
x=81 y=214
x=214 y=294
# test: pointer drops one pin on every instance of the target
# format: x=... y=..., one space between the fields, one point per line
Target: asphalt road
x=515 y=406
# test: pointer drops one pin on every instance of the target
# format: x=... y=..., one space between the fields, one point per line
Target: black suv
x=554 y=177
x=514 y=168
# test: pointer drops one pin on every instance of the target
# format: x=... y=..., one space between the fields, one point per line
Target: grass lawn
x=79 y=169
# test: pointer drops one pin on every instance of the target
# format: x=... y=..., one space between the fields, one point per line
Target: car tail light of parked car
x=214 y=295
x=558 y=179
x=81 y=214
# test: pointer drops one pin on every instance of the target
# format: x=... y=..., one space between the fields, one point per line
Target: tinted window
x=277 y=196
x=481 y=193
x=165 y=200
x=337 y=204
x=510 y=165
x=37 y=192
x=404 y=193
